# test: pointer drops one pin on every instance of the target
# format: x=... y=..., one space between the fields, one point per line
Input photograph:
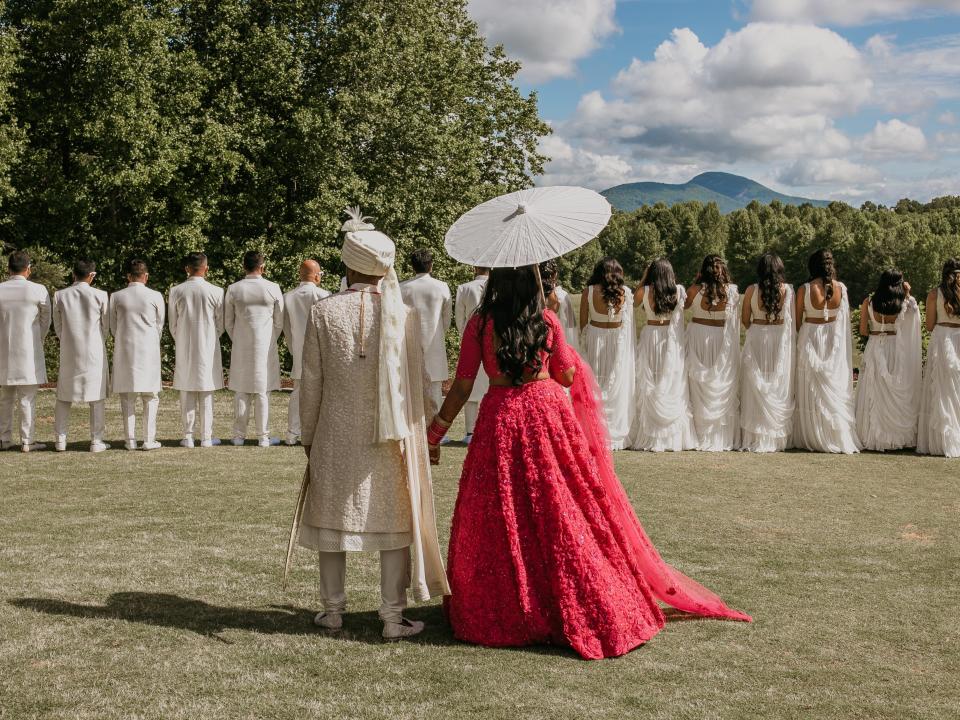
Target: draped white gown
x=713 y=369
x=767 y=383
x=662 y=418
x=609 y=352
x=889 y=389
x=824 y=420
x=939 y=432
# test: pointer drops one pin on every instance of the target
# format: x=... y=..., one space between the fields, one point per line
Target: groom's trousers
x=394 y=580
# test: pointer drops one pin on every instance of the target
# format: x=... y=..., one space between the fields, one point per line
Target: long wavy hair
x=714 y=278
x=512 y=301
x=608 y=275
x=549 y=276
x=770 y=278
x=821 y=267
x=888 y=298
x=950 y=286
x=661 y=278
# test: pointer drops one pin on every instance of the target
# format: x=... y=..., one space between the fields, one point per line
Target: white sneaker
x=328 y=621
x=130 y=444
x=152 y=445
x=446 y=440
x=212 y=442
x=238 y=441
x=292 y=439
x=403 y=629
x=187 y=443
x=33 y=447
x=467 y=438
x=60 y=445
x=98 y=446
x=268 y=442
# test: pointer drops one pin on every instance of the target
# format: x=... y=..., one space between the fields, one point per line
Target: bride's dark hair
x=890 y=293
x=512 y=300
x=821 y=267
x=661 y=278
x=714 y=277
x=770 y=276
x=608 y=275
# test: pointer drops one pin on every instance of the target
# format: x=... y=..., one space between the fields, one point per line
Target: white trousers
x=470 y=412
x=149 y=402
x=23 y=397
x=261 y=411
x=436 y=392
x=61 y=420
x=192 y=404
x=293 y=411
x=394 y=580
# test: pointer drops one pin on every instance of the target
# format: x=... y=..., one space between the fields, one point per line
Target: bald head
x=310 y=272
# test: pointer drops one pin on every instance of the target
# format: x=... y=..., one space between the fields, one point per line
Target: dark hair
x=18 y=261
x=135 y=267
x=421 y=260
x=714 y=278
x=663 y=280
x=252 y=260
x=512 y=300
x=82 y=268
x=194 y=261
x=548 y=276
x=608 y=275
x=821 y=267
x=890 y=293
x=950 y=286
x=770 y=276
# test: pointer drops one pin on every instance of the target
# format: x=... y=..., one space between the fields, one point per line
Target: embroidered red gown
x=545 y=546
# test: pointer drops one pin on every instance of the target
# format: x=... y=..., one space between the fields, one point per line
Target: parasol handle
x=536 y=271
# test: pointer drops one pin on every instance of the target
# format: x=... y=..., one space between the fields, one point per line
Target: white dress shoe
x=32 y=447
x=467 y=438
x=98 y=446
x=238 y=441
x=60 y=446
x=152 y=445
x=130 y=444
x=268 y=442
x=212 y=442
x=403 y=629
x=328 y=621
x=292 y=439
x=187 y=443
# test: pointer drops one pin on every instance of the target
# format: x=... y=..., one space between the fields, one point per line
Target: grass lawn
x=146 y=585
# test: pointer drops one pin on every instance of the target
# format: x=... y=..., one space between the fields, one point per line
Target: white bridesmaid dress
x=767 y=379
x=713 y=369
x=889 y=388
x=609 y=352
x=662 y=418
x=939 y=432
x=824 y=420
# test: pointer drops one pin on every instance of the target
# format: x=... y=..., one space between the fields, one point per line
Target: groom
x=364 y=405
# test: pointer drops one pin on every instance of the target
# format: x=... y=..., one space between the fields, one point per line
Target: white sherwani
x=24 y=323
x=81 y=319
x=469 y=296
x=296 y=312
x=431 y=299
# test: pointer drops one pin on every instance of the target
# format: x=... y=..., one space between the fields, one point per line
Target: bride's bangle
x=437 y=431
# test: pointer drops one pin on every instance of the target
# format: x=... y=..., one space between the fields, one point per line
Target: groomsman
x=136 y=321
x=24 y=323
x=296 y=311
x=253 y=314
x=196 y=323
x=431 y=298
x=469 y=296
x=81 y=319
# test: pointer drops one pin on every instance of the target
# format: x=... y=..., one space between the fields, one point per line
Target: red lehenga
x=545 y=546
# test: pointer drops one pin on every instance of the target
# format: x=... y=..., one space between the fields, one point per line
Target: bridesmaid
x=662 y=418
x=940 y=406
x=713 y=356
x=606 y=318
x=767 y=362
x=888 y=392
x=824 y=420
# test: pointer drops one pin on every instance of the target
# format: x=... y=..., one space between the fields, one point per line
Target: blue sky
x=846 y=99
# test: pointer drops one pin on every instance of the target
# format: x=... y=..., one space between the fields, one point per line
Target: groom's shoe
x=403 y=629
x=328 y=621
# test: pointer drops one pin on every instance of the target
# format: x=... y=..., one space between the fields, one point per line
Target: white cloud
x=894 y=137
x=849 y=12
x=914 y=77
x=947 y=118
x=547 y=36
x=576 y=166
x=828 y=171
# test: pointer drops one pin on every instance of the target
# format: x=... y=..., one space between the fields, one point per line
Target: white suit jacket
x=196 y=323
x=296 y=312
x=253 y=316
x=469 y=296
x=24 y=323
x=136 y=321
x=81 y=319
x=431 y=298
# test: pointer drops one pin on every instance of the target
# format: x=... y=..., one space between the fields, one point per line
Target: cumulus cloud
x=914 y=77
x=894 y=137
x=807 y=172
x=849 y=12
x=576 y=166
x=547 y=36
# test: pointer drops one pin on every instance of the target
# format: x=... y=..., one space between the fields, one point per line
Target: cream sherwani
x=431 y=299
x=196 y=323
x=296 y=312
x=360 y=497
x=24 y=323
x=253 y=316
x=81 y=319
x=136 y=320
x=469 y=296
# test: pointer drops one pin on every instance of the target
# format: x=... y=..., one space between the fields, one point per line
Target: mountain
x=729 y=192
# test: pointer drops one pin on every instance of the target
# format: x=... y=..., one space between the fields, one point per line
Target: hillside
x=729 y=192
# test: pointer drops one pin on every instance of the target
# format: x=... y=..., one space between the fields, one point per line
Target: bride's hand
x=434 y=454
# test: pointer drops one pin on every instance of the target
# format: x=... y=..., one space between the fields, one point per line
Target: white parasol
x=528 y=227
